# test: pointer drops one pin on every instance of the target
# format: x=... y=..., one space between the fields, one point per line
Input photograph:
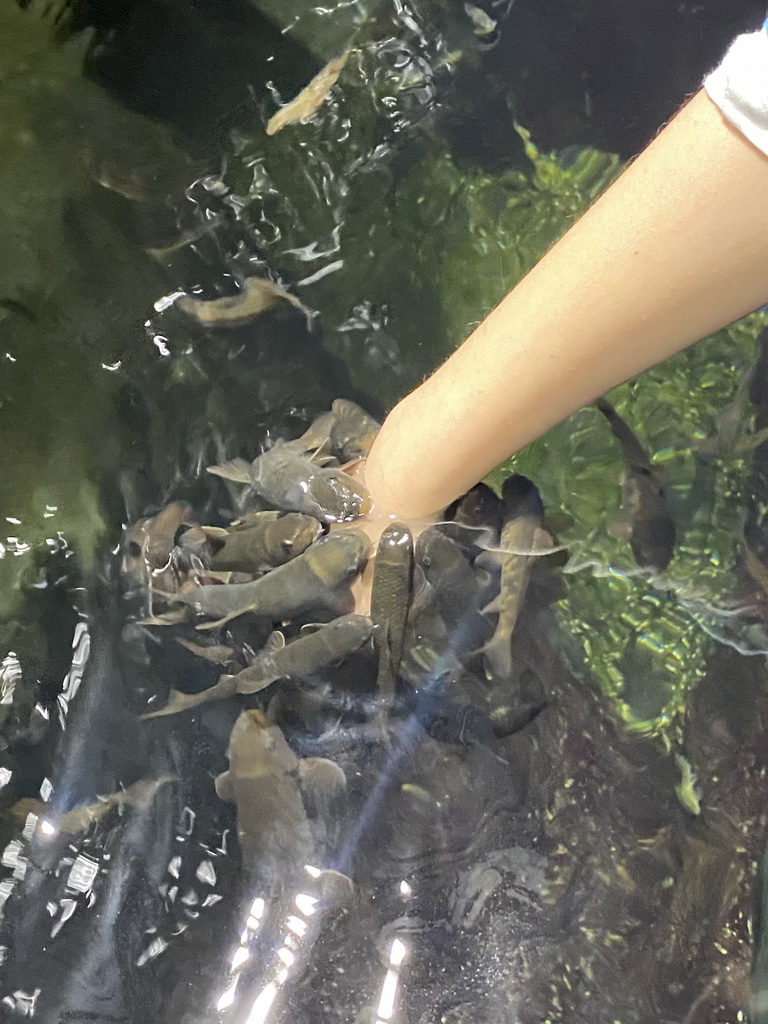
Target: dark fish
x=651 y=526
x=452 y=585
x=474 y=521
x=313 y=580
x=264 y=782
x=153 y=539
x=479 y=508
x=306 y=656
x=523 y=514
x=352 y=432
x=266 y=544
x=285 y=478
x=391 y=600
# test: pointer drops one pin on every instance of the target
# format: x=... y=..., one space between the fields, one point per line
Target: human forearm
x=676 y=248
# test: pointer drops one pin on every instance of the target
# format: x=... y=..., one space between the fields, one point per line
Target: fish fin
x=236 y=469
x=497 y=658
x=172 y=618
x=274 y=642
x=224 y=789
x=205 y=626
x=345 y=407
x=317 y=435
x=215 y=532
x=215 y=653
x=352 y=464
x=311 y=627
x=178 y=701
x=493 y=607
x=322 y=455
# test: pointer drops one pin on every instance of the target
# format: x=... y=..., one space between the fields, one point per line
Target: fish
x=307 y=655
x=452 y=587
x=257 y=295
x=352 y=431
x=264 y=781
x=218 y=654
x=731 y=438
x=139 y=795
x=266 y=544
x=482 y=23
x=651 y=527
x=391 y=600
x=288 y=479
x=154 y=538
x=178 y=701
x=524 y=512
x=474 y=521
x=311 y=97
x=309 y=581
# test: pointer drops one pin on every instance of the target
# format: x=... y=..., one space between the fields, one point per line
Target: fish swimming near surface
x=651 y=528
x=301 y=659
x=179 y=701
x=391 y=601
x=523 y=516
x=452 y=588
x=317 y=579
x=306 y=656
x=286 y=478
x=311 y=97
x=258 y=294
x=265 y=544
x=482 y=23
x=264 y=781
x=139 y=795
x=154 y=538
x=352 y=431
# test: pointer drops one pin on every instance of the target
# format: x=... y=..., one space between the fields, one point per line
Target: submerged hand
x=373 y=525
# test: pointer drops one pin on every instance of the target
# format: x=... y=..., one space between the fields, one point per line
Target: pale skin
x=676 y=248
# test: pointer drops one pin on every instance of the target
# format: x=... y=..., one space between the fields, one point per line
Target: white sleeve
x=740 y=86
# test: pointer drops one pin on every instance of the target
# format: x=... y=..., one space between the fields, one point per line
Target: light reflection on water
x=556 y=874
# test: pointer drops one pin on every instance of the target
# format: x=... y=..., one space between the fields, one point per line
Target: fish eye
x=134 y=549
x=426 y=561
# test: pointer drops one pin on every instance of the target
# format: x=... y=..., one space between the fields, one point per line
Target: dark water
x=599 y=862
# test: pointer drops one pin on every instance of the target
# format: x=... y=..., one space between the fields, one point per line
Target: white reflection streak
x=242 y=954
x=262 y=1004
x=386 y=1007
x=296 y=929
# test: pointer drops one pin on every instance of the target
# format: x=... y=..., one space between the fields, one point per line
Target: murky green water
x=600 y=863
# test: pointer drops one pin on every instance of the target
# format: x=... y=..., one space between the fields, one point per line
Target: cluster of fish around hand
x=438 y=639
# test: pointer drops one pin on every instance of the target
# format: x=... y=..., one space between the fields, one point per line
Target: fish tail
x=236 y=469
x=497 y=658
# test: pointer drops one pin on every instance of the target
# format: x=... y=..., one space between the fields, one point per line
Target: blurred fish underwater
x=528 y=782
